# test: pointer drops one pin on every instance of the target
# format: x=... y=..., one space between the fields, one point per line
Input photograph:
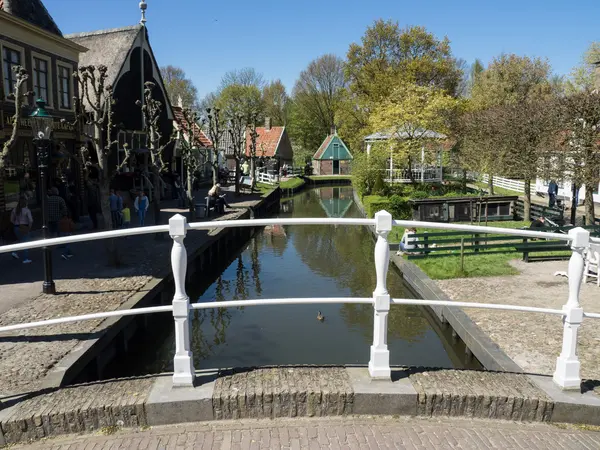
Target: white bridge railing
x=566 y=375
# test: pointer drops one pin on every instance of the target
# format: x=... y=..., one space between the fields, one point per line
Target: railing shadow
x=51 y=337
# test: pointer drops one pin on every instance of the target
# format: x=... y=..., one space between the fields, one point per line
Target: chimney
x=267 y=123
x=597 y=77
x=333 y=130
x=180 y=101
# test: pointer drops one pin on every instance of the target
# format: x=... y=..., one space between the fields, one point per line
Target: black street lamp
x=42 y=124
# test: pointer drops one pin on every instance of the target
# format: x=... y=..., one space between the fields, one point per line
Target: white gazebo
x=425 y=173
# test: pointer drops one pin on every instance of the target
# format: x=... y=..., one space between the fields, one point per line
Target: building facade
x=333 y=157
x=30 y=38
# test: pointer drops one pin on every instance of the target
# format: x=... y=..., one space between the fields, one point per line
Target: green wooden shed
x=332 y=158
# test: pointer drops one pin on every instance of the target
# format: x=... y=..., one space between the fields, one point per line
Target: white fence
x=431 y=175
x=566 y=375
x=507 y=183
x=267 y=178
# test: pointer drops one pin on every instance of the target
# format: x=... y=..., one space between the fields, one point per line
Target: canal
x=300 y=261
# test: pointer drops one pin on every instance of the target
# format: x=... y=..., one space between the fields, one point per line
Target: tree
x=152 y=109
x=189 y=146
x=21 y=77
x=276 y=102
x=584 y=76
x=411 y=113
x=366 y=169
x=215 y=130
x=581 y=123
x=178 y=86
x=252 y=147
x=316 y=98
x=247 y=76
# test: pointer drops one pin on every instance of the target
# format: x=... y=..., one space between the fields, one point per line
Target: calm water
x=303 y=261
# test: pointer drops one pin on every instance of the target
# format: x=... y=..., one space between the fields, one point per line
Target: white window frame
x=65 y=65
x=50 y=84
x=14 y=47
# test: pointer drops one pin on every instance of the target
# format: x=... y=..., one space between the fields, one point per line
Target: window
x=64 y=87
x=40 y=79
x=336 y=151
x=10 y=58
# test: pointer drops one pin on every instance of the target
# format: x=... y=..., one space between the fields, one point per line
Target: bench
x=246 y=182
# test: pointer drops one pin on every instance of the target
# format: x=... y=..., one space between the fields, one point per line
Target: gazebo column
x=422 y=164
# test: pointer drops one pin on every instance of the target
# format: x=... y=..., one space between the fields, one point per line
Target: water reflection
x=304 y=261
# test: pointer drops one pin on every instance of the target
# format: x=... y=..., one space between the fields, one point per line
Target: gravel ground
x=532 y=340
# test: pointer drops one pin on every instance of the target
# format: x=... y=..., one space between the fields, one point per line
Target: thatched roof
x=107 y=47
x=32 y=11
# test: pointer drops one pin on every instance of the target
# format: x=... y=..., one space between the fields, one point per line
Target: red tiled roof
x=267 y=141
x=182 y=123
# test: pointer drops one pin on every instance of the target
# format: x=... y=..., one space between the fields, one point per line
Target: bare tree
x=94 y=118
x=215 y=133
x=152 y=110
x=21 y=77
x=190 y=145
x=252 y=119
x=237 y=126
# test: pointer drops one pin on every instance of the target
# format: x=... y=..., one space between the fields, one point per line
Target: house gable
x=333 y=148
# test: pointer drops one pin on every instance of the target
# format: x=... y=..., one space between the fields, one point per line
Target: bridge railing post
x=183 y=362
x=567 y=375
x=379 y=363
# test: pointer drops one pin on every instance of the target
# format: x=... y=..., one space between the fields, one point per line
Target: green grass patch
x=481 y=265
x=330 y=177
x=264 y=188
x=292 y=183
x=497 y=190
x=397 y=232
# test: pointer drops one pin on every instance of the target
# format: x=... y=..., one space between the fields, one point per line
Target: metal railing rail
x=567 y=374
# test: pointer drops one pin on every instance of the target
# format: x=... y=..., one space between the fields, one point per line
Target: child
x=126 y=216
x=66 y=228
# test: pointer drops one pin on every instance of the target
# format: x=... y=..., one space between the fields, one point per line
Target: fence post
x=525 y=252
x=183 y=362
x=379 y=364
x=566 y=375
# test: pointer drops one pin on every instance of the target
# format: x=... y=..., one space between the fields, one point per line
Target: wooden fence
x=455 y=243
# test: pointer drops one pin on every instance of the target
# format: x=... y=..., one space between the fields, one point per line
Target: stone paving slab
x=85 y=284
x=480 y=394
x=337 y=433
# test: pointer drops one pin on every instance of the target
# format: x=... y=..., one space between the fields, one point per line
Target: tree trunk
x=464 y=182
x=527 y=200
x=590 y=217
x=237 y=176
x=190 y=194
x=575 y=188
x=491 y=184
x=156 y=200
x=253 y=173
x=112 y=247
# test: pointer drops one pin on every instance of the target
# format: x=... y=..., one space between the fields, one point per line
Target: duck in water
x=320 y=317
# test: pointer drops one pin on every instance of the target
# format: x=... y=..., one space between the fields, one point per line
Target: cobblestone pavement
x=533 y=341
x=85 y=284
x=343 y=433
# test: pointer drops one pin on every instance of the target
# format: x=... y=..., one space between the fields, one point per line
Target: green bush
x=374 y=203
x=400 y=208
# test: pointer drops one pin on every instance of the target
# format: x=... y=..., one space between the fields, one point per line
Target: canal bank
x=95 y=358
x=474 y=340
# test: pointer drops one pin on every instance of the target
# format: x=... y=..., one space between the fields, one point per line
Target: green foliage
x=400 y=208
x=374 y=203
x=316 y=98
x=583 y=77
x=240 y=100
x=379 y=185
x=178 y=85
x=276 y=102
x=366 y=169
x=292 y=183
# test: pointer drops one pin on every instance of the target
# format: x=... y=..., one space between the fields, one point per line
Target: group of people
x=60 y=222
x=120 y=212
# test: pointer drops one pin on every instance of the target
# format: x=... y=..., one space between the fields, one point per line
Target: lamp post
x=42 y=124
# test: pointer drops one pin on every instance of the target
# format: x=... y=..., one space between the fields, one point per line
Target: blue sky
x=280 y=38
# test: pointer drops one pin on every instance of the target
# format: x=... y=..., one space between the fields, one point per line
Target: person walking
x=141 y=206
x=180 y=192
x=57 y=209
x=552 y=193
x=66 y=228
x=22 y=222
x=93 y=202
x=116 y=206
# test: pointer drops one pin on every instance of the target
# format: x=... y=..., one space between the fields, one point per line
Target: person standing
x=126 y=216
x=552 y=193
x=22 y=222
x=141 y=206
x=93 y=201
x=57 y=209
x=180 y=193
x=116 y=205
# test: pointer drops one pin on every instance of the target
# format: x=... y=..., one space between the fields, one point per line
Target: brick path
x=344 y=433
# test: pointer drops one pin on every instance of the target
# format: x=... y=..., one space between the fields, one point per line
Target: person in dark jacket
x=93 y=201
x=552 y=193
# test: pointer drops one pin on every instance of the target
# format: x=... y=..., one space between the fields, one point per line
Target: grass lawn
x=292 y=183
x=264 y=188
x=497 y=190
x=475 y=266
x=330 y=177
x=397 y=232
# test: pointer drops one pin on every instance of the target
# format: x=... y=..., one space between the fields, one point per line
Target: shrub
x=400 y=208
x=374 y=203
